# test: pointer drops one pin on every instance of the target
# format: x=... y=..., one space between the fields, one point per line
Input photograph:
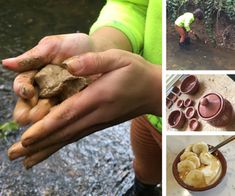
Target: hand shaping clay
x=55 y=81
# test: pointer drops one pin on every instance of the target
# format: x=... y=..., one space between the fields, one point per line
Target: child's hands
x=128 y=87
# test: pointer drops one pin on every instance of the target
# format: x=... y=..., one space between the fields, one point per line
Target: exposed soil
x=202 y=54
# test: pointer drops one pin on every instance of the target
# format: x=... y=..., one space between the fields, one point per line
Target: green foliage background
x=212 y=9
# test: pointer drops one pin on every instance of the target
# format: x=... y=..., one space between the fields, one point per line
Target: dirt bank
x=201 y=55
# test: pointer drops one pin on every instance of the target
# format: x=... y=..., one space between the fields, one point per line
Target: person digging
x=182 y=26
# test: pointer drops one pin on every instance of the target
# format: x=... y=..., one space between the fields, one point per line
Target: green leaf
x=9 y=126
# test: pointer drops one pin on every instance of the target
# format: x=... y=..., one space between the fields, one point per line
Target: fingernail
x=13 y=152
x=26 y=142
x=5 y=62
x=12 y=155
x=70 y=63
x=70 y=60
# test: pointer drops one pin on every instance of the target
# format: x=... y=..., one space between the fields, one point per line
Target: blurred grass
x=8 y=128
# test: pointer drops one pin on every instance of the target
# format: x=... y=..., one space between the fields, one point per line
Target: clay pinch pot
x=215 y=109
x=190 y=112
x=190 y=85
x=194 y=124
x=172 y=97
x=176 y=90
x=180 y=103
x=188 y=102
x=176 y=119
x=169 y=103
x=220 y=157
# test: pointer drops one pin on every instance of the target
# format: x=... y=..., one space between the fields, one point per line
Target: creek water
x=198 y=56
x=99 y=164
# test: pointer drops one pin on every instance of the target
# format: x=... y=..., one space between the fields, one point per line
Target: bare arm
x=110 y=38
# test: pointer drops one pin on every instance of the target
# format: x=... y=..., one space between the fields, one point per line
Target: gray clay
x=55 y=81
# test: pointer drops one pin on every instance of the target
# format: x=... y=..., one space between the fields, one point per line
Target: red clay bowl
x=176 y=119
x=180 y=103
x=188 y=102
x=176 y=90
x=190 y=112
x=194 y=124
x=189 y=85
x=223 y=162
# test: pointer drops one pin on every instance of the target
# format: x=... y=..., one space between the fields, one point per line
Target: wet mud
x=198 y=56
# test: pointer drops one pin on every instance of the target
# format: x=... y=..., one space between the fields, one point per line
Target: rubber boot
x=187 y=41
x=182 y=45
x=141 y=189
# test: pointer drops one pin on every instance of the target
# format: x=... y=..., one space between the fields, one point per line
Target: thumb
x=97 y=63
x=32 y=59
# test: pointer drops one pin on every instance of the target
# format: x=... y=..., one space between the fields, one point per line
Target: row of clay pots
x=212 y=107
x=185 y=103
x=190 y=113
x=177 y=118
x=173 y=96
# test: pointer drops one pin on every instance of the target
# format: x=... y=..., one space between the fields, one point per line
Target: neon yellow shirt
x=185 y=21
x=141 y=22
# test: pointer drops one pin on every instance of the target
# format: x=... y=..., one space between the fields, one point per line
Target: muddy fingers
x=21 y=112
x=16 y=151
x=23 y=84
x=40 y=156
x=23 y=107
x=41 y=109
